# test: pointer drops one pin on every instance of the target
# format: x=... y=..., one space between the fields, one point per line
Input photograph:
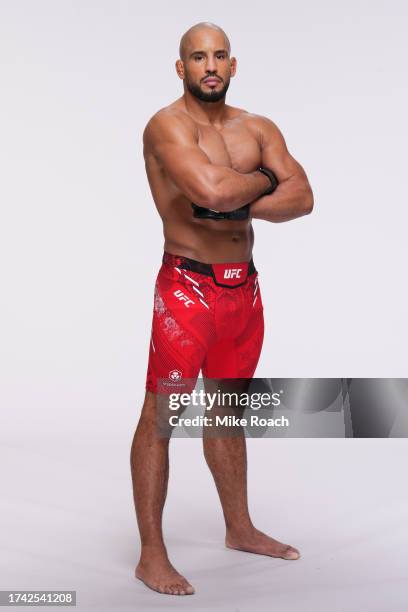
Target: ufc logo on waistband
x=183 y=298
x=232 y=273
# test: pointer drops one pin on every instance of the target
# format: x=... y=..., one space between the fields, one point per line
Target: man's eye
x=221 y=56
x=198 y=57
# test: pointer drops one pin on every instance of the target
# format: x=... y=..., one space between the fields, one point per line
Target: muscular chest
x=233 y=145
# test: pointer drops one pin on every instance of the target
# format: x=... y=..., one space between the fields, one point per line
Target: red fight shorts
x=206 y=317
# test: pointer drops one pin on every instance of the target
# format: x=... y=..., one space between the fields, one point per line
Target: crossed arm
x=293 y=197
x=173 y=140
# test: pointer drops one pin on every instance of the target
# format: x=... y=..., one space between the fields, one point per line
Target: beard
x=211 y=96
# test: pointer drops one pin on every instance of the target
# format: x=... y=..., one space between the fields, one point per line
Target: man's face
x=208 y=66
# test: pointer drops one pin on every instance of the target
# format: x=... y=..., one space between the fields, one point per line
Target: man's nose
x=211 y=64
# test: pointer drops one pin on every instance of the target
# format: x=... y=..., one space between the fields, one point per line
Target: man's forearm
x=293 y=198
x=231 y=189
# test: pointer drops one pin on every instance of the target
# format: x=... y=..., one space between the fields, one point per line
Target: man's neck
x=205 y=112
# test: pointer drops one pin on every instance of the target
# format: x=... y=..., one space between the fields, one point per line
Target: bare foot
x=157 y=573
x=257 y=542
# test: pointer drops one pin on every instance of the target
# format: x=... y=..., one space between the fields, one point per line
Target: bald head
x=187 y=41
x=205 y=51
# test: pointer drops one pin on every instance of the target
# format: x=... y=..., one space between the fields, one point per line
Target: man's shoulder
x=253 y=118
x=259 y=124
x=262 y=127
x=167 y=119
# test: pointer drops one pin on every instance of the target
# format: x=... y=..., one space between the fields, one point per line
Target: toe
x=185 y=588
x=180 y=588
x=292 y=553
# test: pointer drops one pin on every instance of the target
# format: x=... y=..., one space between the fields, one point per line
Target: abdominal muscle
x=209 y=241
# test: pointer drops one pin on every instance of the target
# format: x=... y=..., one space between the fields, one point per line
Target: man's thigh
x=180 y=335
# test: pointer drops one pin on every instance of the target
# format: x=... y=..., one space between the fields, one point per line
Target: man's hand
x=239 y=214
x=293 y=197
x=172 y=137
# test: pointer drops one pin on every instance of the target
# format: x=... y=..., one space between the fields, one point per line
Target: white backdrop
x=81 y=242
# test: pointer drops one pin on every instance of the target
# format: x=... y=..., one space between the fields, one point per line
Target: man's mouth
x=211 y=82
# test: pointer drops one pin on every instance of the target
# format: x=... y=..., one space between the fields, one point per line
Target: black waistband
x=185 y=263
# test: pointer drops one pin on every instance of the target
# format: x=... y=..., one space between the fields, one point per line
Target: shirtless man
x=202 y=161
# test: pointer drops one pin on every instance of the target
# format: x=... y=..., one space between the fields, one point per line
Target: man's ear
x=233 y=62
x=180 y=68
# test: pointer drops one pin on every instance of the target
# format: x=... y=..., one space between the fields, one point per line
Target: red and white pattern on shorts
x=199 y=325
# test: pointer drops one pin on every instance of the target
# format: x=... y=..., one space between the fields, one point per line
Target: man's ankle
x=239 y=528
x=156 y=549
